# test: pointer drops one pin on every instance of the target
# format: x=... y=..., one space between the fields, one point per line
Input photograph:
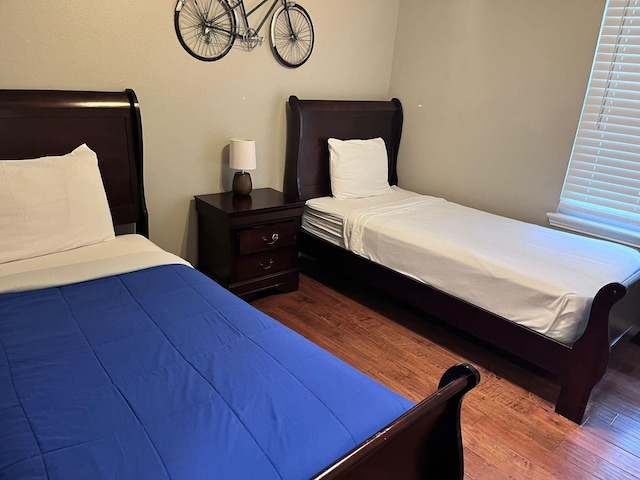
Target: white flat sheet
x=324 y=216
x=541 y=278
x=125 y=253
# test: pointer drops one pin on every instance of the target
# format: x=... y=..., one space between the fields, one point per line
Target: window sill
x=595 y=229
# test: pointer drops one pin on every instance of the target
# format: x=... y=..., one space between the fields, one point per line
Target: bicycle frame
x=245 y=15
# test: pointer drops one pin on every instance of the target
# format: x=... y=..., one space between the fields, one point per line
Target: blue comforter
x=162 y=374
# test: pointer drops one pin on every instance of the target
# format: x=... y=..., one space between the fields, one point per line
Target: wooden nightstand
x=249 y=243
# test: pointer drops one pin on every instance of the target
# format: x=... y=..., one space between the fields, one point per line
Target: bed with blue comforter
x=188 y=381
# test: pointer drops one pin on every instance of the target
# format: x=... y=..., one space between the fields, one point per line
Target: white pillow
x=358 y=168
x=52 y=204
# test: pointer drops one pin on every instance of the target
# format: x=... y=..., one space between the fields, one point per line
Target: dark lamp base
x=242 y=183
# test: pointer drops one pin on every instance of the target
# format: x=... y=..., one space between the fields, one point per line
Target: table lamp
x=242 y=156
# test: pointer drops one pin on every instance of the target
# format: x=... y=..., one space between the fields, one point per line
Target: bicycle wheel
x=205 y=28
x=291 y=35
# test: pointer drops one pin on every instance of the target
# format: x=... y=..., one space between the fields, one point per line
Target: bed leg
x=586 y=364
x=572 y=401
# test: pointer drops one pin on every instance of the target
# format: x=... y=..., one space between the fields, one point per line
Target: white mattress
x=541 y=278
x=124 y=253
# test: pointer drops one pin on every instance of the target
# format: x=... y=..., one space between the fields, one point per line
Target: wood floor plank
x=615 y=429
x=505 y=449
x=535 y=462
x=601 y=467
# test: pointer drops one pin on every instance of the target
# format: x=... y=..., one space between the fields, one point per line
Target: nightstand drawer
x=268 y=237
x=249 y=244
x=266 y=263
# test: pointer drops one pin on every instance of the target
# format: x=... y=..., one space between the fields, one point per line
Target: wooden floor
x=509 y=427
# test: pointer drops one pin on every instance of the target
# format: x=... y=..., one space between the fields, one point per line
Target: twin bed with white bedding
x=545 y=295
x=120 y=360
x=546 y=278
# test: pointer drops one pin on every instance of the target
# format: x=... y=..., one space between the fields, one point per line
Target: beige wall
x=492 y=92
x=190 y=109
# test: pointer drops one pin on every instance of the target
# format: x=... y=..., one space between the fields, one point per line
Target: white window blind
x=601 y=192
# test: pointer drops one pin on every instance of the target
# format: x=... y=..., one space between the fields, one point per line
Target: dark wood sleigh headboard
x=307 y=164
x=37 y=123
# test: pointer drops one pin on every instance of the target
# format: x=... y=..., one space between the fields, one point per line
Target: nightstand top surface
x=259 y=199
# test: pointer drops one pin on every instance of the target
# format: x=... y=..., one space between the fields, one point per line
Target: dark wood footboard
x=425 y=442
x=587 y=359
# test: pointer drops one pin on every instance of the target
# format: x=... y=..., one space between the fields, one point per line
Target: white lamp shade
x=242 y=154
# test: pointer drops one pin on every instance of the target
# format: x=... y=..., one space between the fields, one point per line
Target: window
x=601 y=192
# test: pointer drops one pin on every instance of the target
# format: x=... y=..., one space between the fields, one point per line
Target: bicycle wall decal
x=207 y=29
